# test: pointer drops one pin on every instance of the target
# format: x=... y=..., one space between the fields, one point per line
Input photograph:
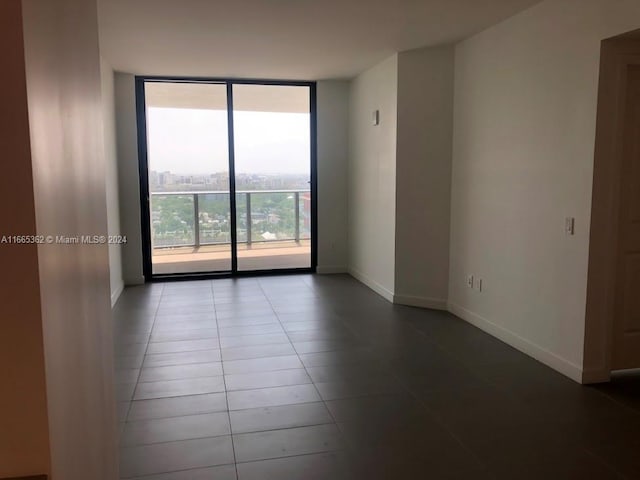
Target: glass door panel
x=188 y=165
x=272 y=142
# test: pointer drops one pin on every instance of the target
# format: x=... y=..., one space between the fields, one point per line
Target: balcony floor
x=217 y=258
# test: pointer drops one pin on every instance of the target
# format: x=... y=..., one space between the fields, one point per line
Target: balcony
x=191 y=231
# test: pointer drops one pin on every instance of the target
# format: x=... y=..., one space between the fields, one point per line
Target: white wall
x=333 y=126
x=372 y=177
x=423 y=176
x=66 y=130
x=128 y=178
x=111 y=178
x=525 y=112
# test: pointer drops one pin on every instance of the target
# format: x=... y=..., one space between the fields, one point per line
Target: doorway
x=227 y=176
x=612 y=333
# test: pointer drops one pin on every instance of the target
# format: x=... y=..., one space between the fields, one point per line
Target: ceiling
x=283 y=39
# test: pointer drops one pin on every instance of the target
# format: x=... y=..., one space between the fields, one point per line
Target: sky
x=189 y=141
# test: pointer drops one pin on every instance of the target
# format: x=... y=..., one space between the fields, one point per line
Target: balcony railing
x=194 y=219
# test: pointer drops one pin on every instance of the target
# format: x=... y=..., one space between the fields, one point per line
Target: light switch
x=570 y=226
x=375 y=118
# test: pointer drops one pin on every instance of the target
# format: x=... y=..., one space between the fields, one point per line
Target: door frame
x=143 y=171
x=616 y=55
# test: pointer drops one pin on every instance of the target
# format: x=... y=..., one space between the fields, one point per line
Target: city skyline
x=163 y=181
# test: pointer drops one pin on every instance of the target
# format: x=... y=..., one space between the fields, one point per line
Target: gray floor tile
x=160 y=430
x=186 y=334
x=341 y=357
x=253 y=320
x=264 y=364
x=324 y=466
x=224 y=472
x=182 y=358
x=279 y=378
x=396 y=409
x=171 y=310
x=311 y=326
x=254 y=293
x=287 y=442
x=183 y=346
x=176 y=372
x=286 y=416
x=300 y=308
x=178 y=406
x=422 y=445
x=174 y=456
x=198 y=320
x=315 y=346
x=244 y=305
x=343 y=373
x=240 y=313
x=359 y=387
x=250 y=330
x=188 y=298
x=322 y=334
x=268 y=397
x=177 y=388
x=320 y=317
x=249 y=340
x=257 y=351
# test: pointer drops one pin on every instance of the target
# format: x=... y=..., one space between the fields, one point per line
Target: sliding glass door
x=226 y=176
x=188 y=177
x=272 y=176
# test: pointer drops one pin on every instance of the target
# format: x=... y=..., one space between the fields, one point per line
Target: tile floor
x=318 y=378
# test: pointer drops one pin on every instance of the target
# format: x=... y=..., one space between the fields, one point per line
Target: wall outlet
x=470 y=281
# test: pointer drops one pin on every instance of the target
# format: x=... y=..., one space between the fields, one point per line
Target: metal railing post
x=296 y=199
x=248 y=198
x=196 y=223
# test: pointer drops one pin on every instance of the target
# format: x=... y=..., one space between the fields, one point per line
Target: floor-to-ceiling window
x=226 y=175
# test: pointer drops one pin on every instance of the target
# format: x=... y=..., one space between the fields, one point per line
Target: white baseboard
x=330 y=269
x=562 y=365
x=115 y=295
x=421 y=302
x=372 y=284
